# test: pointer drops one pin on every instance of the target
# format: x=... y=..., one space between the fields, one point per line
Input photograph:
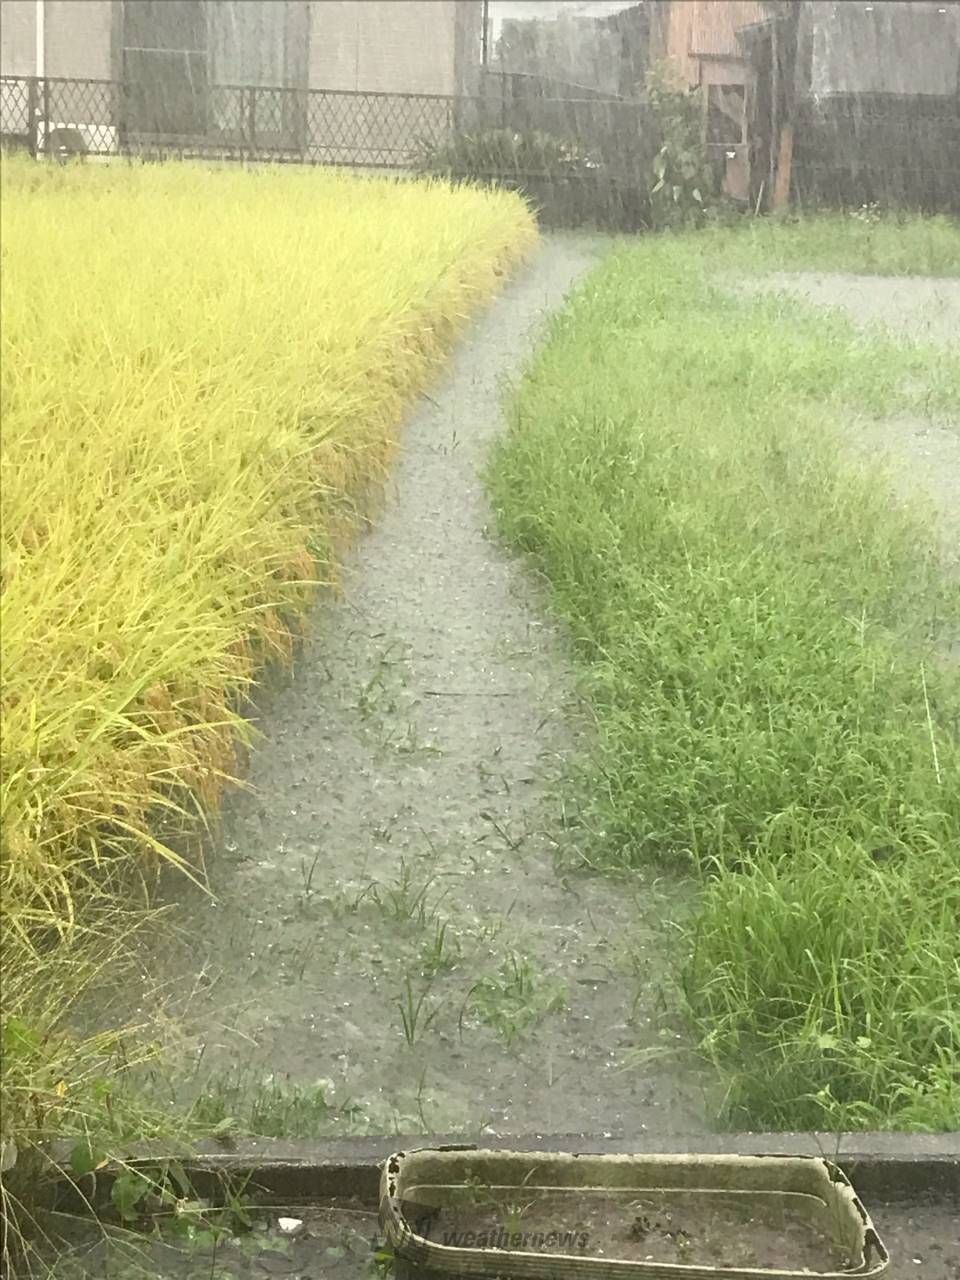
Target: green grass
x=758 y=628
x=866 y=243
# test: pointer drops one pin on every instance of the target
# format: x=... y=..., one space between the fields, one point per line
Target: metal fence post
x=252 y=119
x=46 y=114
x=32 y=116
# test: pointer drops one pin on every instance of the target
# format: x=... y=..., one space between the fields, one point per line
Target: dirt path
x=924 y=450
x=388 y=911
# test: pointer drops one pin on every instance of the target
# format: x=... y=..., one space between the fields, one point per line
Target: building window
x=184 y=63
x=164 y=67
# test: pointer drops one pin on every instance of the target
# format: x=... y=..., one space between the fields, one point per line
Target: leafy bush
x=506 y=153
x=682 y=182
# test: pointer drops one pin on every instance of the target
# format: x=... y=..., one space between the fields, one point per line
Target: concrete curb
x=880 y=1165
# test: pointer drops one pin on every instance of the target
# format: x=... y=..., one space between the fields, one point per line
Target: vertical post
x=792 y=93
x=781 y=191
x=45 y=98
x=252 y=119
x=40 y=38
x=774 y=104
x=40 y=70
x=32 y=139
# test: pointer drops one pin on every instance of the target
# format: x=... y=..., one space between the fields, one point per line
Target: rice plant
x=203 y=378
x=202 y=375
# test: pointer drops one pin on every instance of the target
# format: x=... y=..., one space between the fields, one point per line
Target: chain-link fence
x=582 y=157
x=104 y=118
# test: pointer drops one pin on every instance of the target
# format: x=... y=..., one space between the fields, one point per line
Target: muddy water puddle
x=392 y=942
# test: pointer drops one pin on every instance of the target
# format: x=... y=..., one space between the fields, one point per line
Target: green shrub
x=506 y=153
x=682 y=186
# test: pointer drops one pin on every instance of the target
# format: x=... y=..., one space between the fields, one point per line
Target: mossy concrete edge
x=288 y=1171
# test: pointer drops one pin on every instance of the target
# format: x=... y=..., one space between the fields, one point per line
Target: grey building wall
x=387 y=46
x=383 y=46
x=78 y=38
x=568 y=48
x=77 y=43
x=410 y=47
x=18 y=46
x=468 y=45
x=906 y=47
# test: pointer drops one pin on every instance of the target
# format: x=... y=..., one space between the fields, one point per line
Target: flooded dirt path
x=388 y=912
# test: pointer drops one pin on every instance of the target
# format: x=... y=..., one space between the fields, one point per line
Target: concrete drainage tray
x=563 y=1216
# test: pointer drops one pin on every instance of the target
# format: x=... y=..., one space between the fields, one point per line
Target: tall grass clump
x=763 y=635
x=203 y=375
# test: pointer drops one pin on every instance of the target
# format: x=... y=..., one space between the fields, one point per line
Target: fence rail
x=901 y=151
x=318 y=126
x=385 y=131
x=310 y=126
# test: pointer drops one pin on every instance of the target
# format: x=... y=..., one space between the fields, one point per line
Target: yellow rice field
x=203 y=371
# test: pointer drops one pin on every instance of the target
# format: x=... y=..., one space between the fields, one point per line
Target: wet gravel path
x=388 y=912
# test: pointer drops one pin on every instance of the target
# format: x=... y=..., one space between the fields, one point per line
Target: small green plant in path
x=516 y=997
x=762 y=637
x=417 y=1013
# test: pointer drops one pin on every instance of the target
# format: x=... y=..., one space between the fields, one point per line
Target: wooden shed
x=700 y=37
